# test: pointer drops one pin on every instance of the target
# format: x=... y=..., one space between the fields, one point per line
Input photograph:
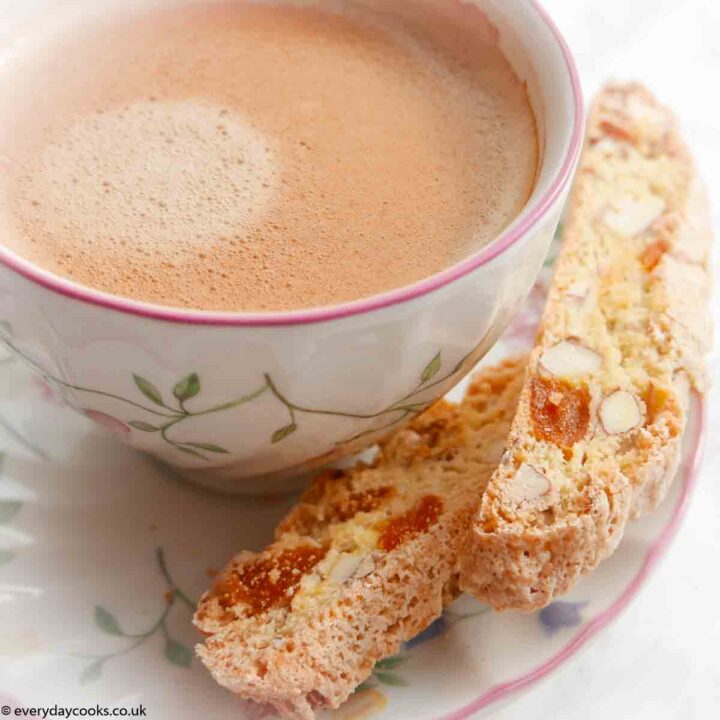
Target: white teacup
x=240 y=401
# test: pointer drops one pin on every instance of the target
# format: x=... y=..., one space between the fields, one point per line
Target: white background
x=661 y=659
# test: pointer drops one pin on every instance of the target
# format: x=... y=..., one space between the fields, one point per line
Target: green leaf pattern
x=283 y=432
x=207 y=446
x=432 y=368
x=190 y=387
x=177 y=653
x=92 y=672
x=145 y=427
x=190 y=451
x=391 y=679
x=383 y=668
x=168 y=417
x=106 y=622
x=187 y=388
x=8 y=510
x=149 y=390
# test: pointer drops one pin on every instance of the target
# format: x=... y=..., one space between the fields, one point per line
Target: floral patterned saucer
x=103 y=553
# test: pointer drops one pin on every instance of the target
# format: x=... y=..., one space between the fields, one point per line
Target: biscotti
x=597 y=435
x=365 y=561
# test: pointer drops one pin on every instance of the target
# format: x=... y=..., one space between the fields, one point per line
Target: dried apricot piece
x=414 y=521
x=267 y=581
x=656 y=401
x=347 y=507
x=559 y=411
x=616 y=130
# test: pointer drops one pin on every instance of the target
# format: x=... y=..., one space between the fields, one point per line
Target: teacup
x=242 y=401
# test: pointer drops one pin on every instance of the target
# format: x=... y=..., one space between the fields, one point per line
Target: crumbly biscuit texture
x=596 y=439
x=366 y=560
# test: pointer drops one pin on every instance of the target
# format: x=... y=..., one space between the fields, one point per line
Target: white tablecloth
x=661 y=659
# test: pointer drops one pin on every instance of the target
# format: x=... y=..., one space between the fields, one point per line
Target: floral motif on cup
x=164 y=411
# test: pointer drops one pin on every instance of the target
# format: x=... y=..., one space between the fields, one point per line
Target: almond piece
x=528 y=484
x=366 y=566
x=344 y=567
x=620 y=412
x=569 y=358
x=630 y=216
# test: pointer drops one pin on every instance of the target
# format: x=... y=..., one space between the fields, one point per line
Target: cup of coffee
x=253 y=237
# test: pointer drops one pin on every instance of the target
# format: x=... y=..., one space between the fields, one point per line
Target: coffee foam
x=254 y=157
x=151 y=183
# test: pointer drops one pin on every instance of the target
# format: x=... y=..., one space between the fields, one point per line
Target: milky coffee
x=261 y=156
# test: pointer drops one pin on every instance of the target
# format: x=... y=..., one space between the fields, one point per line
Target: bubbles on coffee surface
x=266 y=156
x=151 y=183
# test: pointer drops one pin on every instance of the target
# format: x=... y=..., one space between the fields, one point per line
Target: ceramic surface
x=103 y=553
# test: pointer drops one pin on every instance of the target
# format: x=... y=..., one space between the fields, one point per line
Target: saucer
x=104 y=551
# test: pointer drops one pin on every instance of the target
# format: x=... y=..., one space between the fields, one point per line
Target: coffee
x=262 y=156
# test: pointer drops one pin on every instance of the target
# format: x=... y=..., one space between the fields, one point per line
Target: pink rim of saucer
x=655 y=552
x=314 y=315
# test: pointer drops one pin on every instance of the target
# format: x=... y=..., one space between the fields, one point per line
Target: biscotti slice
x=597 y=435
x=366 y=560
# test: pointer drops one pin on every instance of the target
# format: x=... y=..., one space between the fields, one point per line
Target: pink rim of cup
x=301 y=317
